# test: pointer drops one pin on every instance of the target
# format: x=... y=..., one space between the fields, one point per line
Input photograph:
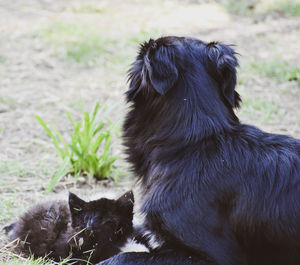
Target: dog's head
x=176 y=63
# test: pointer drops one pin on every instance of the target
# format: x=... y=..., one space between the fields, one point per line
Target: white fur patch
x=133 y=246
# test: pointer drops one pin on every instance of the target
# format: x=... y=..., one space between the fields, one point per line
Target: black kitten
x=90 y=231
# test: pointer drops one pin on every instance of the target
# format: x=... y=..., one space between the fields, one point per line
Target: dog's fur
x=215 y=191
x=92 y=231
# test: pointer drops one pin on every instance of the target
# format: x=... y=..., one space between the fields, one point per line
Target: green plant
x=89 y=150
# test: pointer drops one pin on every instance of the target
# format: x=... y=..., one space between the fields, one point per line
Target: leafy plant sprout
x=88 y=152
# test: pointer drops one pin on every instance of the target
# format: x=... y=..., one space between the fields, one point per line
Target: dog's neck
x=183 y=118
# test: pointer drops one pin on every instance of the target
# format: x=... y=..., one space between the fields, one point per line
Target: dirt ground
x=36 y=78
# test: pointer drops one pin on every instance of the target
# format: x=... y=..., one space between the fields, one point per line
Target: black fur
x=214 y=189
x=91 y=231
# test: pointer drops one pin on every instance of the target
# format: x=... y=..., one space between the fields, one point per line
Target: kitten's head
x=102 y=223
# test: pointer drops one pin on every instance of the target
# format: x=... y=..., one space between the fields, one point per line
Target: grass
x=88 y=9
x=15 y=167
x=241 y=7
x=276 y=69
x=265 y=111
x=7 y=209
x=89 y=150
x=7 y=100
x=2 y=59
x=143 y=35
x=80 y=42
x=289 y=8
x=91 y=46
x=14 y=259
x=262 y=8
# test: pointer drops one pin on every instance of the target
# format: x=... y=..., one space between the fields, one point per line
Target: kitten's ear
x=126 y=201
x=75 y=203
x=224 y=70
x=9 y=228
x=160 y=65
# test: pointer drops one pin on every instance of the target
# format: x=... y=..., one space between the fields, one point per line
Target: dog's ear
x=161 y=69
x=224 y=70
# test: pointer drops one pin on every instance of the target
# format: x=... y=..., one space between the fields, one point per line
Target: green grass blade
x=97 y=143
x=93 y=163
x=86 y=135
x=71 y=119
x=100 y=126
x=61 y=172
x=54 y=139
x=106 y=147
x=66 y=148
x=75 y=139
x=76 y=133
x=95 y=111
x=76 y=151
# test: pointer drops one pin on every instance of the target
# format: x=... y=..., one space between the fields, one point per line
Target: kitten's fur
x=92 y=231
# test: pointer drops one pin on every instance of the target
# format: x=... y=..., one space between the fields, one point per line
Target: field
x=65 y=56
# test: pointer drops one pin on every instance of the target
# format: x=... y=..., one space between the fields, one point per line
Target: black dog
x=215 y=191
